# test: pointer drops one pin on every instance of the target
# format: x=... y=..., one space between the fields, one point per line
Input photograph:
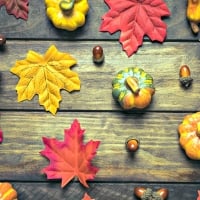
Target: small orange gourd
x=193 y=14
x=133 y=88
x=189 y=131
x=7 y=192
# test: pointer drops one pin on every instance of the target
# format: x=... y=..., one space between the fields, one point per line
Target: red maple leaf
x=70 y=158
x=87 y=197
x=18 y=8
x=135 y=19
x=1 y=136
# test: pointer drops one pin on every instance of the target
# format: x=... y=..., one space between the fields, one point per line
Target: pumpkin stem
x=132 y=83
x=66 y=5
x=194 y=27
x=194 y=1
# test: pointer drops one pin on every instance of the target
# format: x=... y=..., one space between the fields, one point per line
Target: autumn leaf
x=135 y=19
x=1 y=136
x=18 y=8
x=70 y=158
x=87 y=197
x=46 y=76
x=198 y=198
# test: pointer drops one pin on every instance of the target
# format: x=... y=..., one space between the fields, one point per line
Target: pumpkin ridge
x=133 y=88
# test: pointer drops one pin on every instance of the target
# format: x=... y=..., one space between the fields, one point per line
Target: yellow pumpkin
x=67 y=14
x=189 y=131
x=193 y=14
x=7 y=192
x=133 y=88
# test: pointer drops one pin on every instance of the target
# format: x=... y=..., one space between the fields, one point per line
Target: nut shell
x=2 y=40
x=163 y=192
x=132 y=144
x=185 y=76
x=98 y=55
x=139 y=191
x=184 y=71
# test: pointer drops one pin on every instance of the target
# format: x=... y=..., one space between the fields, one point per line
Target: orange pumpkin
x=7 y=192
x=133 y=88
x=189 y=131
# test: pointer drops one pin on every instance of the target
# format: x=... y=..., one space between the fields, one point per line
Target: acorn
x=185 y=76
x=163 y=192
x=132 y=144
x=2 y=40
x=98 y=55
x=139 y=191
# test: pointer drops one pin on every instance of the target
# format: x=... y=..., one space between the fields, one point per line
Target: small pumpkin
x=7 y=192
x=193 y=14
x=189 y=131
x=133 y=88
x=67 y=14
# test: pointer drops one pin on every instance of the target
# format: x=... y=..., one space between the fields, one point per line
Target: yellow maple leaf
x=45 y=75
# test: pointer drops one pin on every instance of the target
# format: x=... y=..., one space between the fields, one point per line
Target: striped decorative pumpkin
x=189 y=132
x=133 y=88
x=7 y=192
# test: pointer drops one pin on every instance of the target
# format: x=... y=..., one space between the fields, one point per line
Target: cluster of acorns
x=149 y=194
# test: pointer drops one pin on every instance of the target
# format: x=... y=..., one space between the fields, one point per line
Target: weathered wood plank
x=159 y=158
x=100 y=191
x=161 y=61
x=38 y=25
x=159 y=162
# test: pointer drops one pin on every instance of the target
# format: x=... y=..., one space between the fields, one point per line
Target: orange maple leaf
x=70 y=158
x=46 y=76
x=198 y=198
x=87 y=197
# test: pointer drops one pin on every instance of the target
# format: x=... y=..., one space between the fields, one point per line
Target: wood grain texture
x=100 y=191
x=159 y=161
x=159 y=158
x=161 y=61
x=38 y=26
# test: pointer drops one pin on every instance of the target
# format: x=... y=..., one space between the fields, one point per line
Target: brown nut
x=163 y=192
x=139 y=191
x=2 y=40
x=185 y=76
x=149 y=194
x=132 y=144
x=98 y=55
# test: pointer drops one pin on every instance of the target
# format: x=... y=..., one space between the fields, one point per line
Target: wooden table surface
x=159 y=162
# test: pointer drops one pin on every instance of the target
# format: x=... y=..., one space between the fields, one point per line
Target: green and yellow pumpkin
x=133 y=88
